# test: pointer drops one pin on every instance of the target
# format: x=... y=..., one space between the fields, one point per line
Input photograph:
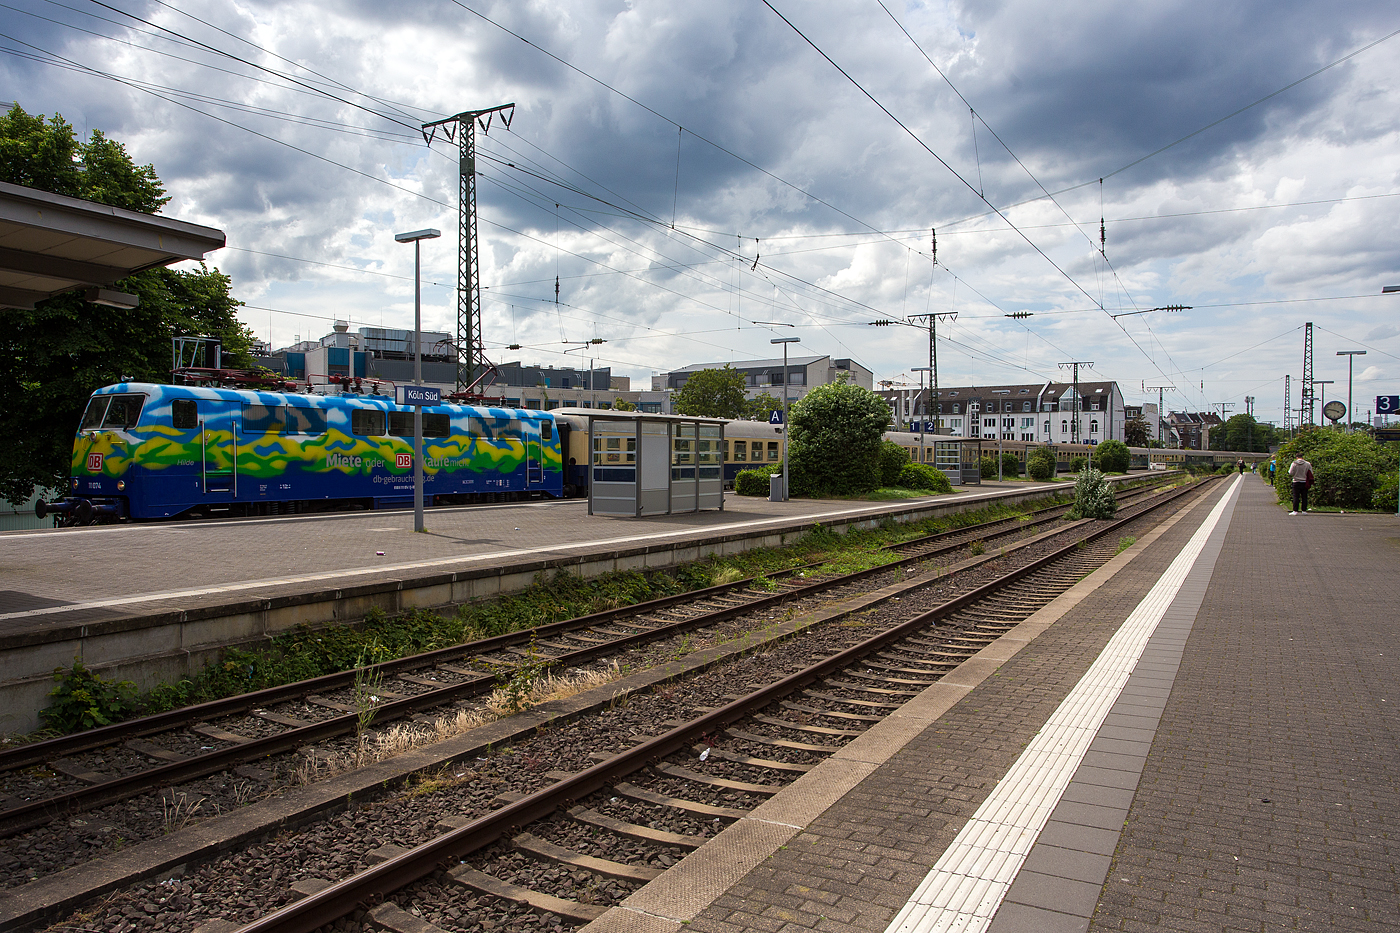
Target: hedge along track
x=471 y=670
x=812 y=713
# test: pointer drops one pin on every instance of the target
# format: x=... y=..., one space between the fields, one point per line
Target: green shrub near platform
x=893 y=459
x=1078 y=465
x=834 y=441
x=923 y=476
x=1093 y=498
x=1010 y=465
x=1040 y=464
x=754 y=482
x=987 y=466
x=1112 y=457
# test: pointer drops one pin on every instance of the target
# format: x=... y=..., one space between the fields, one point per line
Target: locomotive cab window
x=546 y=430
x=184 y=414
x=264 y=419
x=367 y=422
x=92 y=418
x=123 y=412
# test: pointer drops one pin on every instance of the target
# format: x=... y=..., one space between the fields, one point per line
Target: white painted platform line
x=962 y=892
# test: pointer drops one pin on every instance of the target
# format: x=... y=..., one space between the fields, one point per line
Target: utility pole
x=1161 y=413
x=1074 y=422
x=1223 y=406
x=1249 y=410
x=1287 y=404
x=932 y=320
x=462 y=130
x=1308 y=372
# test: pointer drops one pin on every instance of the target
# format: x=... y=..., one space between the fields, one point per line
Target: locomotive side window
x=305 y=421
x=546 y=430
x=263 y=419
x=367 y=422
x=124 y=411
x=184 y=414
x=435 y=424
x=92 y=418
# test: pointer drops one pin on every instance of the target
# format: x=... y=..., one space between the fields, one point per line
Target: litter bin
x=775 y=488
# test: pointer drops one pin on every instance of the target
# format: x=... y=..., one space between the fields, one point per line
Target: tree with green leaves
x=712 y=393
x=1242 y=432
x=1137 y=432
x=1112 y=456
x=53 y=356
x=760 y=405
x=834 y=440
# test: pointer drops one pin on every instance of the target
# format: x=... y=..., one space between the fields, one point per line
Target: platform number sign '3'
x=403 y=461
x=1388 y=404
x=94 y=463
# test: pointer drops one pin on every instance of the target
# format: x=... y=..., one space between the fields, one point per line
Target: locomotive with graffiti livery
x=146 y=451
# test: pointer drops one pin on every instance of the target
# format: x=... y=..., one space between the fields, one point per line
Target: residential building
x=1193 y=428
x=1032 y=412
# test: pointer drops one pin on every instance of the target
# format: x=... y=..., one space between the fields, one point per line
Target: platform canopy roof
x=51 y=243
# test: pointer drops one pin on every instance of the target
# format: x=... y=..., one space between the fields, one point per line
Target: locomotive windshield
x=112 y=411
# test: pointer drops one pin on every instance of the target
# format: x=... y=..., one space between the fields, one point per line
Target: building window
x=1047 y=427
x=1064 y=427
x=1094 y=426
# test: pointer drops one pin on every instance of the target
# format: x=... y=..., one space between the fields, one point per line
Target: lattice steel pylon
x=1287 y=404
x=1074 y=431
x=1307 y=390
x=461 y=129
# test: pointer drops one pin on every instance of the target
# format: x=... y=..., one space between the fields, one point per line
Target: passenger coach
x=146 y=451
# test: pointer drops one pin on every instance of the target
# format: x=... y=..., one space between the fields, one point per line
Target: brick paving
x=1271 y=796
x=855 y=865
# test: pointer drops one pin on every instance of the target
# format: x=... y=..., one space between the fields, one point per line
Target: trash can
x=775 y=488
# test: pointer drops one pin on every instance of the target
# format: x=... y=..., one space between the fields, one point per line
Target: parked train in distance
x=145 y=451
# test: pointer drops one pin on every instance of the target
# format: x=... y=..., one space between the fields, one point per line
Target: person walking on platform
x=1300 y=471
x=1240 y=463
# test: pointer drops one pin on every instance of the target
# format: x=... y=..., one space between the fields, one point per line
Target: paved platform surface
x=67 y=576
x=1205 y=738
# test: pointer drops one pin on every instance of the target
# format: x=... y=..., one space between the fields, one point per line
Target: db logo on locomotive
x=403 y=460
x=94 y=463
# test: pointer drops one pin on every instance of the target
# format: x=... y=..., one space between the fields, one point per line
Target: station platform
x=1203 y=735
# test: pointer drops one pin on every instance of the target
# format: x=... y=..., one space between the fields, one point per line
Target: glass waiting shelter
x=646 y=464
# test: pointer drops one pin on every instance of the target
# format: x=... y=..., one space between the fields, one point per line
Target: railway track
x=85 y=771
x=670 y=793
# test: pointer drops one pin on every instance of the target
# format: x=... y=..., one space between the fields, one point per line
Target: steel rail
x=373 y=884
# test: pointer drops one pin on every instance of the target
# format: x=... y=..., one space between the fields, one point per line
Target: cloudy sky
x=688 y=170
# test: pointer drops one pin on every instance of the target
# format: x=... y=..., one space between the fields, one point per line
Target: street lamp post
x=1323 y=382
x=416 y=237
x=1350 y=355
x=787 y=435
x=921 y=370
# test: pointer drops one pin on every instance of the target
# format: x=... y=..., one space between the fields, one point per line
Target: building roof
x=1047 y=392
x=793 y=361
x=51 y=243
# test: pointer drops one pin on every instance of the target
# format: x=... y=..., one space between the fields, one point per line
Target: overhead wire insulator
x=933 y=244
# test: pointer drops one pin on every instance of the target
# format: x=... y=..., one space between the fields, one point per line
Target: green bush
x=893 y=459
x=1079 y=464
x=1384 y=498
x=754 y=482
x=923 y=476
x=1093 y=498
x=1348 y=469
x=1040 y=464
x=82 y=700
x=834 y=441
x=988 y=466
x=1010 y=466
x=1112 y=457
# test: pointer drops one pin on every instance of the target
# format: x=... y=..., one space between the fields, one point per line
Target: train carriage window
x=305 y=421
x=124 y=411
x=741 y=451
x=367 y=422
x=773 y=451
x=92 y=418
x=184 y=414
x=264 y=419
